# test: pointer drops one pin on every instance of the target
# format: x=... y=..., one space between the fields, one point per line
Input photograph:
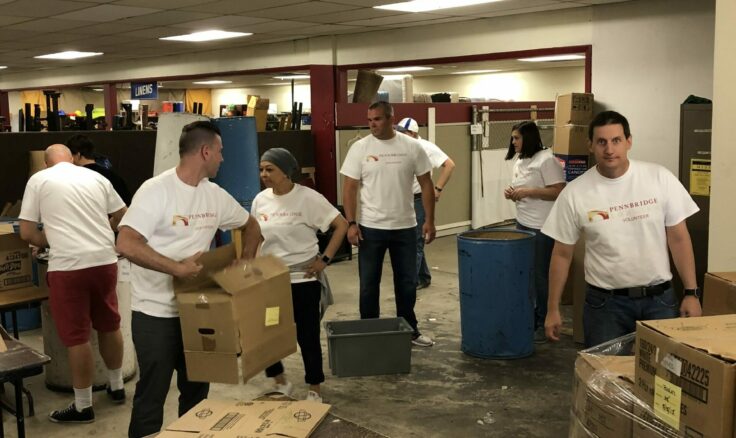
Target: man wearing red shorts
x=73 y=203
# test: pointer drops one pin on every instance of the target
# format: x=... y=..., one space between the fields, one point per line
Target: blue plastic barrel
x=496 y=310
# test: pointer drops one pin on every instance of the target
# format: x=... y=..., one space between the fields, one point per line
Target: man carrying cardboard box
x=172 y=219
x=73 y=203
x=629 y=213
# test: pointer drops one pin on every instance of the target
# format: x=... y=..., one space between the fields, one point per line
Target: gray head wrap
x=283 y=160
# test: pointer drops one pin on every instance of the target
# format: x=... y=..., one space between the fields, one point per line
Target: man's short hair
x=609 y=118
x=195 y=135
x=387 y=108
x=81 y=144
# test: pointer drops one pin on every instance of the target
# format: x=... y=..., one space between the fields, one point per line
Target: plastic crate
x=368 y=347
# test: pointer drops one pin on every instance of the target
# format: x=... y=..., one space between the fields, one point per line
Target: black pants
x=305 y=297
x=160 y=351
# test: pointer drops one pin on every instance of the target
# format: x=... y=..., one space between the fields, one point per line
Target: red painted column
x=322 y=82
x=4 y=109
x=111 y=104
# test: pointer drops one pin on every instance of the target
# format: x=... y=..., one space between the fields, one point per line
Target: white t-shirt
x=540 y=170
x=623 y=221
x=289 y=224
x=436 y=157
x=386 y=170
x=73 y=202
x=178 y=221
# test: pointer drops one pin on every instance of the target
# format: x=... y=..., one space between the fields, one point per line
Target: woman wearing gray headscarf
x=290 y=215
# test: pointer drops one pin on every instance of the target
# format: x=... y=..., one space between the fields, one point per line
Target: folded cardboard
x=252 y=419
x=603 y=396
x=719 y=293
x=16 y=266
x=230 y=310
x=575 y=108
x=571 y=140
x=685 y=373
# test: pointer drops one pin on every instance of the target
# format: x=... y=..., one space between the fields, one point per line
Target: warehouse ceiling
x=130 y=29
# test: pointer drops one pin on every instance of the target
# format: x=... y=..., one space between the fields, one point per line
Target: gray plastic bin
x=368 y=347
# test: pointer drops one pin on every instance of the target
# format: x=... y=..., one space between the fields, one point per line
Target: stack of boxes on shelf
x=573 y=113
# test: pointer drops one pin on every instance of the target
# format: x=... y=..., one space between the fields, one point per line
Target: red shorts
x=82 y=296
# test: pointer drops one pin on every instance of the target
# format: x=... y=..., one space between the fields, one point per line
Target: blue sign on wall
x=144 y=90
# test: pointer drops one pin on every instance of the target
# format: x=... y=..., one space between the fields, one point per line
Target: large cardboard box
x=16 y=266
x=252 y=419
x=719 y=293
x=571 y=140
x=258 y=108
x=603 y=396
x=235 y=309
x=685 y=372
x=575 y=108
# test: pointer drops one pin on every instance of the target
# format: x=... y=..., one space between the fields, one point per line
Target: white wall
x=648 y=56
x=278 y=94
x=722 y=241
x=516 y=86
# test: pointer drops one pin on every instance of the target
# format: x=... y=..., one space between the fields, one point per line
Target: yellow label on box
x=272 y=316
x=667 y=398
x=699 y=177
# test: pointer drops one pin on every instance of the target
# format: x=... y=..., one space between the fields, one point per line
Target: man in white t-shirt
x=438 y=159
x=382 y=166
x=171 y=221
x=629 y=213
x=73 y=203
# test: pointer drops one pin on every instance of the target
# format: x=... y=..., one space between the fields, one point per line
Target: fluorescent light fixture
x=70 y=54
x=207 y=35
x=553 y=58
x=395 y=77
x=98 y=89
x=3 y=66
x=431 y=5
x=212 y=82
x=474 y=72
x=287 y=78
x=404 y=69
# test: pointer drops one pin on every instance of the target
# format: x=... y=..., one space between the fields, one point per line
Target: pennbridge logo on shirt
x=264 y=217
x=597 y=215
x=371 y=158
x=179 y=218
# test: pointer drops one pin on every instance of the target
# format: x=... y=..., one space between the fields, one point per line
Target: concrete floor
x=447 y=394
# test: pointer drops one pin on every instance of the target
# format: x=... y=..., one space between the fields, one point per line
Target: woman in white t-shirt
x=538 y=178
x=290 y=215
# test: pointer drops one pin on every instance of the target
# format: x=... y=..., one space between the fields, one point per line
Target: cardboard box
x=685 y=372
x=252 y=419
x=603 y=396
x=230 y=310
x=258 y=108
x=719 y=293
x=571 y=140
x=574 y=108
x=16 y=265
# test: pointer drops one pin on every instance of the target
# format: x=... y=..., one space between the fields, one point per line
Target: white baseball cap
x=408 y=124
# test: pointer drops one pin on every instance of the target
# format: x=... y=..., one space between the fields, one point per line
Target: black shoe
x=71 y=415
x=423 y=285
x=117 y=396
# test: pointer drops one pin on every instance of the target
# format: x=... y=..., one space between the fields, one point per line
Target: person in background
x=629 y=212
x=289 y=215
x=83 y=152
x=438 y=159
x=537 y=180
x=382 y=167
x=73 y=203
x=172 y=220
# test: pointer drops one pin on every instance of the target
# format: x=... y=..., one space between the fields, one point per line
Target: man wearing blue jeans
x=439 y=160
x=381 y=168
x=629 y=213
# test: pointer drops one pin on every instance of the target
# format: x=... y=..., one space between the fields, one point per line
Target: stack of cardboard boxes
x=573 y=113
x=258 y=108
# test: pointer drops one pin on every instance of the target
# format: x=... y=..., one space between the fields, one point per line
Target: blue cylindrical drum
x=238 y=173
x=496 y=310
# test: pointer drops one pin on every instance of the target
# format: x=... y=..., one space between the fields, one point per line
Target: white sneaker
x=422 y=341
x=284 y=389
x=313 y=396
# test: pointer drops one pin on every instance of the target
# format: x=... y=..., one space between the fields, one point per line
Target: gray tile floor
x=447 y=394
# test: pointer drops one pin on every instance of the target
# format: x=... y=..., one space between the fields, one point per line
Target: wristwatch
x=437 y=188
x=325 y=258
x=692 y=293
x=351 y=223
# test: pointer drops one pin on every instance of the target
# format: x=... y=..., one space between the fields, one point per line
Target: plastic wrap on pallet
x=604 y=404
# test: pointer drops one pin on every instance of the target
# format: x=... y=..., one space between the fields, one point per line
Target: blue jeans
x=607 y=316
x=423 y=275
x=543 y=245
x=401 y=246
